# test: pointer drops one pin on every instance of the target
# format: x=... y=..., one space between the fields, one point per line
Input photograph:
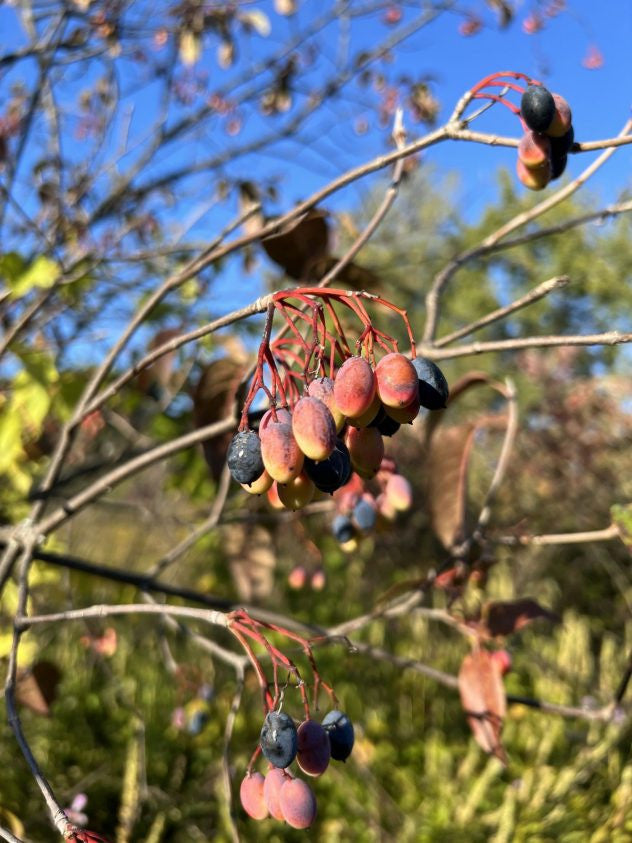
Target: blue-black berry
x=244 y=457
x=341 y=735
x=279 y=741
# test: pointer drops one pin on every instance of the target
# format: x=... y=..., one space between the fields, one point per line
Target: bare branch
x=521 y=219
x=533 y=295
x=607 y=338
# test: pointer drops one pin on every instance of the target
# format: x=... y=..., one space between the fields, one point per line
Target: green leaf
x=12 y=265
x=43 y=272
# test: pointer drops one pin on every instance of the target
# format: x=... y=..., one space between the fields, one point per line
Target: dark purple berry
x=342 y=528
x=279 y=741
x=385 y=424
x=341 y=735
x=244 y=457
x=433 y=387
x=364 y=515
x=558 y=165
x=332 y=473
x=537 y=108
x=560 y=146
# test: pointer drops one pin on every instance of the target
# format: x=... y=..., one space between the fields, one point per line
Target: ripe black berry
x=332 y=473
x=558 y=165
x=433 y=387
x=537 y=108
x=278 y=739
x=341 y=735
x=342 y=528
x=385 y=424
x=364 y=515
x=559 y=146
x=244 y=457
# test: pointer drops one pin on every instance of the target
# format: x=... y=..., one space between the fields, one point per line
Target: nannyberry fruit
x=534 y=150
x=251 y=796
x=354 y=387
x=297 y=803
x=433 y=387
x=341 y=734
x=274 y=781
x=562 y=118
x=323 y=389
x=332 y=473
x=314 y=428
x=366 y=449
x=282 y=458
x=364 y=515
x=297 y=492
x=278 y=739
x=244 y=457
x=314 y=750
x=385 y=424
x=396 y=380
x=537 y=108
x=342 y=528
x=535 y=178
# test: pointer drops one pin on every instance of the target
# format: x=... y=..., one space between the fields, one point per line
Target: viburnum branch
x=532 y=296
x=519 y=220
x=553 y=341
x=504 y=457
x=588 y=536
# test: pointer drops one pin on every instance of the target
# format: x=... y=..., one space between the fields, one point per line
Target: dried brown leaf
x=213 y=400
x=446 y=466
x=506 y=617
x=299 y=245
x=351 y=276
x=483 y=700
x=36 y=687
x=156 y=378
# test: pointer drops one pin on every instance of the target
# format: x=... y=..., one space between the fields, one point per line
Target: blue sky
x=601 y=101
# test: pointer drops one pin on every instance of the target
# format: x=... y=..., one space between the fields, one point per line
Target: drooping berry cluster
x=546 y=120
x=543 y=149
x=362 y=508
x=280 y=794
x=315 y=440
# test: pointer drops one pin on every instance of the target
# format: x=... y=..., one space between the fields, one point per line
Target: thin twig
x=106 y=610
x=226 y=773
x=503 y=459
x=608 y=338
x=205 y=527
x=399 y=136
x=607 y=534
x=533 y=295
x=441 y=279
x=5 y=834
x=112 y=478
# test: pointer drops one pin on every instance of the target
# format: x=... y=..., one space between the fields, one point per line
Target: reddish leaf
x=503 y=618
x=299 y=245
x=446 y=467
x=483 y=700
x=37 y=687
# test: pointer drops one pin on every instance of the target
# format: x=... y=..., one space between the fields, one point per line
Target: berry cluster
x=545 y=118
x=335 y=428
x=543 y=149
x=280 y=794
x=360 y=509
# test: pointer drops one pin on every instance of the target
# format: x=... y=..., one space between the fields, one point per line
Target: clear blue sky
x=601 y=101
